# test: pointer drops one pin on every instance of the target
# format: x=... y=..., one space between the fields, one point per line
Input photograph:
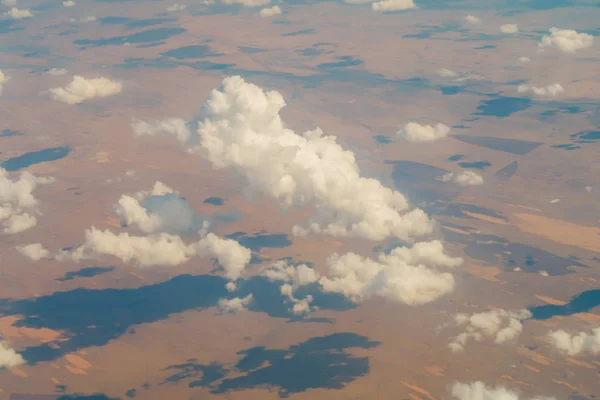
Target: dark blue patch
x=35 y=157
x=456 y=157
x=475 y=164
x=195 y=51
x=87 y=272
x=382 y=139
x=345 y=61
x=586 y=137
x=151 y=35
x=215 y=201
x=583 y=302
x=566 y=146
x=508 y=171
x=514 y=146
x=301 y=32
x=86 y=397
x=450 y=90
x=10 y=132
x=252 y=50
x=485 y=47
x=502 y=107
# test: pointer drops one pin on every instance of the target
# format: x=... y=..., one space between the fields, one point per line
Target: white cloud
x=9 y=358
x=234 y=305
x=572 y=345
x=405 y=275
x=81 y=89
x=243 y=131
x=176 y=7
x=56 y=71
x=248 y=3
x=34 y=251
x=8 y=2
x=524 y=59
x=416 y=133
x=472 y=19
x=3 y=80
x=479 y=391
x=588 y=189
x=160 y=249
x=18 y=206
x=499 y=325
x=90 y=18
x=447 y=73
x=293 y=276
x=68 y=3
x=393 y=5
x=159 y=210
x=165 y=127
x=566 y=40
x=465 y=178
x=509 y=28
x=270 y=11
x=550 y=90
x=16 y=13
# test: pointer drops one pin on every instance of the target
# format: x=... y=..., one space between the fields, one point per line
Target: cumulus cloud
x=509 y=28
x=81 y=89
x=15 y=13
x=34 y=251
x=56 y=71
x=9 y=358
x=270 y=11
x=160 y=210
x=416 y=133
x=406 y=275
x=18 y=206
x=176 y=7
x=244 y=132
x=479 y=391
x=248 y=3
x=160 y=249
x=447 y=73
x=393 y=5
x=572 y=345
x=499 y=325
x=566 y=40
x=68 y=3
x=550 y=90
x=524 y=59
x=293 y=277
x=234 y=305
x=472 y=19
x=3 y=80
x=465 y=178
x=90 y=18
x=165 y=127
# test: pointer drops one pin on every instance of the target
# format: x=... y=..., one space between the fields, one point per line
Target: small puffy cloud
x=406 y=275
x=566 y=40
x=15 y=13
x=550 y=90
x=34 y=251
x=165 y=127
x=447 y=73
x=90 y=18
x=524 y=60
x=472 y=19
x=248 y=3
x=68 y=3
x=234 y=305
x=393 y=5
x=270 y=11
x=243 y=131
x=509 y=28
x=479 y=391
x=3 y=80
x=18 y=206
x=417 y=133
x=499 y=325
x=9 y=358
x=8 y=2
x=56 y=71
x=160 y=210
x=81 y=89
x=160 y=249
x=572 y=345
x=293 y=277
x=465 y=178
x=588 y=189
x=176 y=7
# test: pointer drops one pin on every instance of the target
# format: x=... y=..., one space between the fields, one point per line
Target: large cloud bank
x=499 y=325
x=582 y=342
x=566 y=40
x=479 y=391
x=244 y=132
x=18 y=206
x=407 y=275
x=9 y=358
x=81 y=89
x=416 y=133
